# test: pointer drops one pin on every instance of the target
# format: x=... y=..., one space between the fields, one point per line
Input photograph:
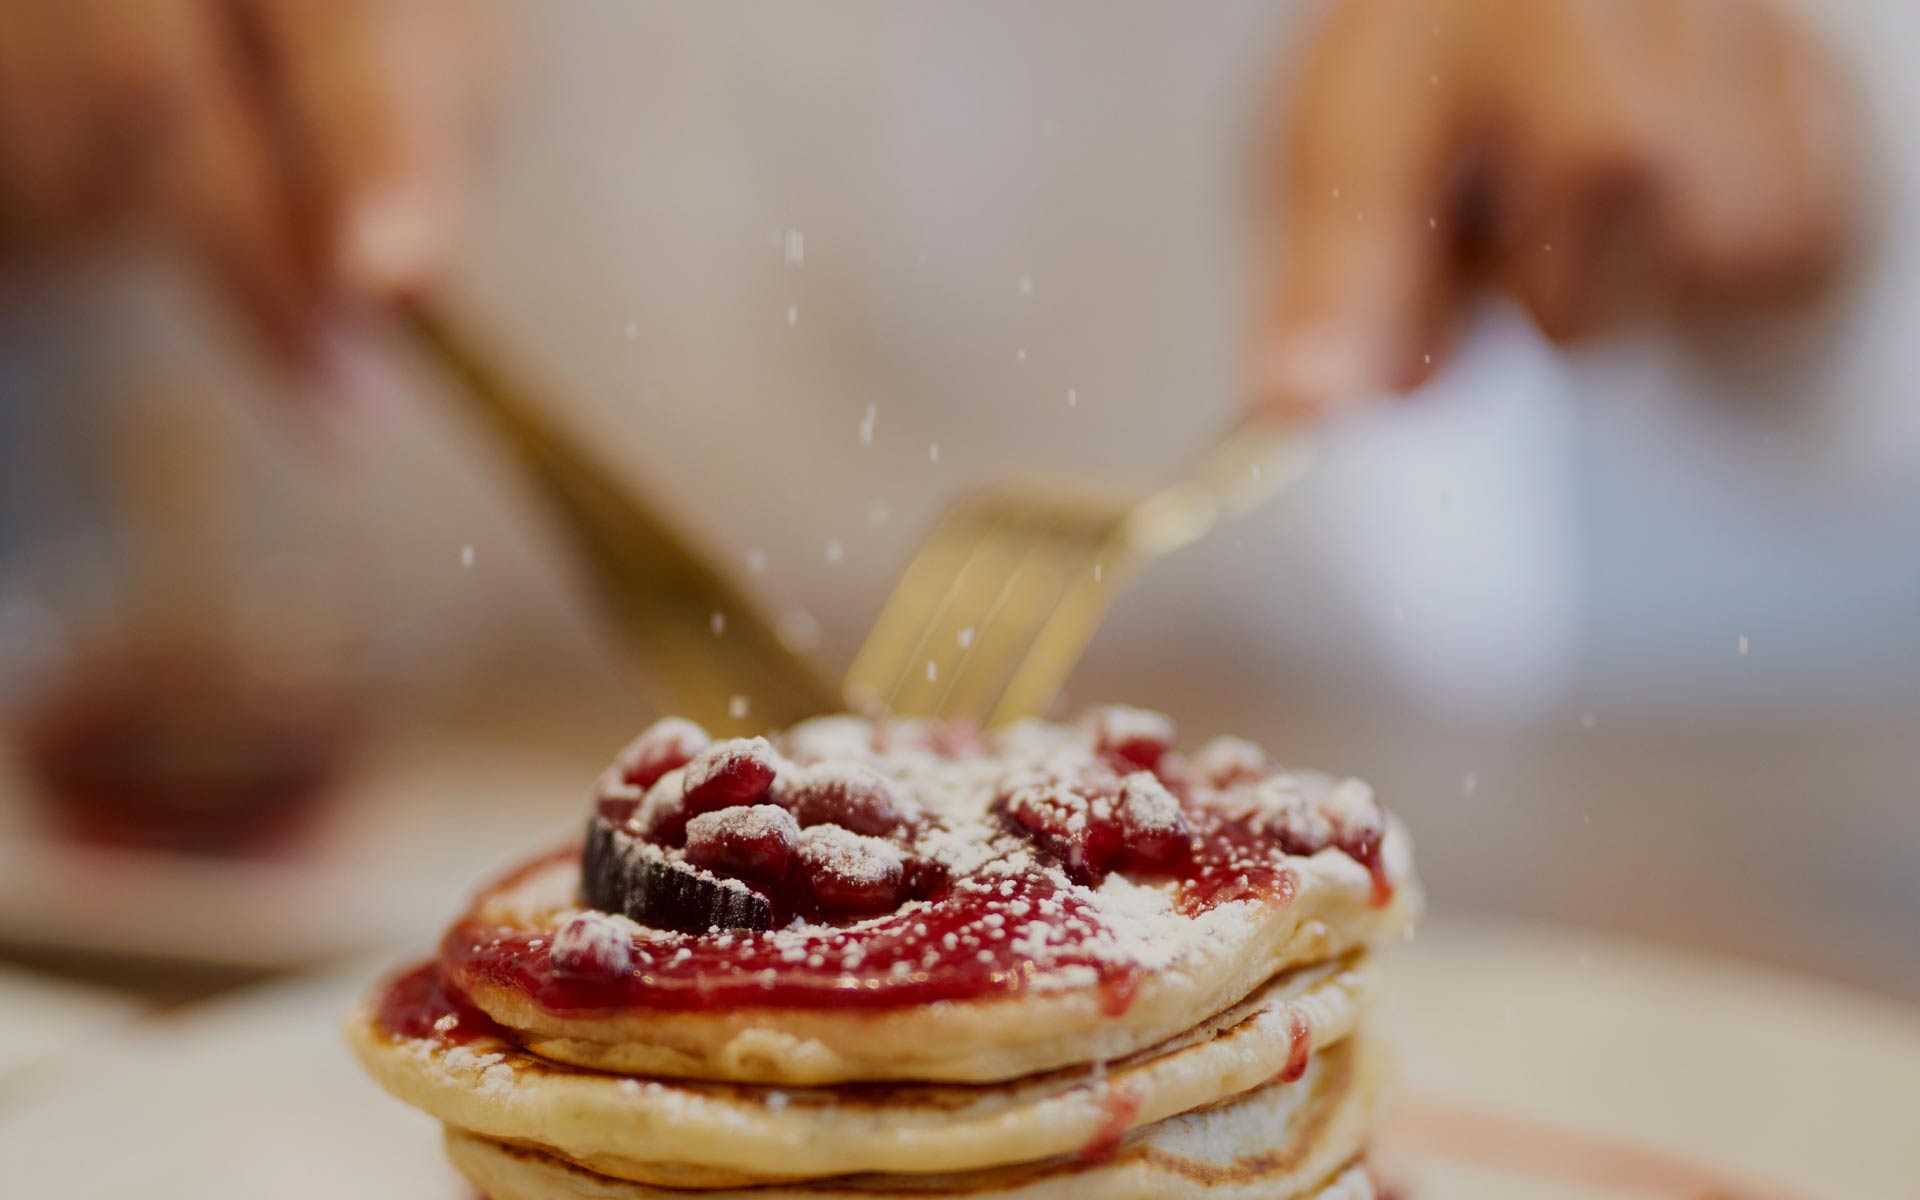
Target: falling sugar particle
x=1588 y=720
x=737 y=707
x=866 y=425
x=1336 y=193
x=1073 y=397
x=1743 y=645
x=1434 y=79
x=878 y=513
x=1020 y=353
x=933 y=452
x=835 y=551
x=719 y=622
x=793 y=315
x=633 y=330
x=796 y=246
x=1026 y=285
x=798 y=631
x=933 y=671
x=466 y=560
x=964 y=638
x=757 y=561
x=1427 y=358
x=1098 y=569
x=1469 y=784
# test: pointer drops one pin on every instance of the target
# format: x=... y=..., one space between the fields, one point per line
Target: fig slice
x=619 y=873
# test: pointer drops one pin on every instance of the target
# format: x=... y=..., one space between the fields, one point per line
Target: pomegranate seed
x=821 y=739
x=849 y=873
x=1280 y=811
x=1225 y=761
x=1155 y=830
x=592 y=946
x=896 y=734
x=755 y=842
x=1133 y=737
x=1359 y=826
x=729 y=773
x=662 y=816
x=617 y=800
x=852 y=797
x=1080 y=830
x=667 y=743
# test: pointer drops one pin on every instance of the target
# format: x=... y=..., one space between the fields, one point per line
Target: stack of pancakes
x=1034 y=1024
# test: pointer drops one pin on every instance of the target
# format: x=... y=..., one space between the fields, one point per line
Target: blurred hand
x=1593 y=160
x=309 y=152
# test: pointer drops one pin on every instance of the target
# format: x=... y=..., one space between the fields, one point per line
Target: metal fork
x=999 y=602
x=990 y=617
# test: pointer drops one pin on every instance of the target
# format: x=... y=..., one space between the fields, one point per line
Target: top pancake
x=1042 y=948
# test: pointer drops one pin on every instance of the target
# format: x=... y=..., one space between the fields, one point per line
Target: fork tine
x=1030 y=554
x=1001 y=554
x=1056 y=556
x=1031 y=571
x=1059 y=640
x=900 y=629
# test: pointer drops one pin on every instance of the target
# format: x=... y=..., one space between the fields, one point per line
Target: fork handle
x=1258 y=457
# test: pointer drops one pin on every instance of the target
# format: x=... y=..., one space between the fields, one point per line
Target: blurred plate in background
x=389 y=861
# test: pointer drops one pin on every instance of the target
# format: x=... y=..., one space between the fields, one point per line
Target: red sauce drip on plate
x=1117 y=990
x=420 y=1003
x=1299 y=1048
x=1121 y=1106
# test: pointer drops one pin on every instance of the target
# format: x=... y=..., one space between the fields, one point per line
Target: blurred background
x=1627 y=629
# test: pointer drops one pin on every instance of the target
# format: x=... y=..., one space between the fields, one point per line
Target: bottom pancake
x=1286 y=1140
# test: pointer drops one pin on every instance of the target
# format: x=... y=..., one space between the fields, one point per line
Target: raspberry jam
x=420 y=1004
x=1118 y=1110
x=899 y=960
x=879 y=866
x=1299 y=1048
x=985 y=935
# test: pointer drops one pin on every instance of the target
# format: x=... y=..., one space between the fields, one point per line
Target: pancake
x=694 y=1134
x=1027 y=961
x=1229 y=951
x=905 y=959
x=1285 y=1140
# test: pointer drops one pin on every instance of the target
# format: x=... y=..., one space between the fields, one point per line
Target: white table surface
x=43 y=1019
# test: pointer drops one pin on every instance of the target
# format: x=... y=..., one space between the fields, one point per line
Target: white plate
x=1647 y=1056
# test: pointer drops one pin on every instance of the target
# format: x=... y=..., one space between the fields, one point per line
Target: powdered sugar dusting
x=1038 y=857
x=849 y=856
x=1146 y=806
x=593 y=944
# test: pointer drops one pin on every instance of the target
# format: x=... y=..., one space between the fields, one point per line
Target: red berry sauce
x=1299 y=1048
x=419 y=1003
x=1057 y=810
